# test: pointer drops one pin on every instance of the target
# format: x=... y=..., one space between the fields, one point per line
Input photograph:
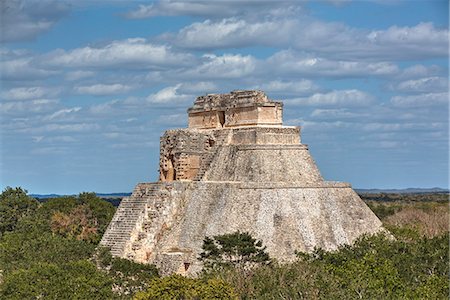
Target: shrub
x=237 y=249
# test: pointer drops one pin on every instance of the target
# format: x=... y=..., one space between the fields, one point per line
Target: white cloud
x=402 y=126
x=417 y=71
x=423 y=37
x=53 y=139
x=224 y=66
x=53 y=150
x=287 y=62
x=322 y=126
x=198 y=87
x=103 y=89
x=421 y=100
x=37 y=139
x=61 y=138
x=339 y=2
x=27 y=93
x=305 y=33
x=29 y=106
x=24 y=20
x=74 y=127
x=234 y=32
x=23 y=69
x=168 y=95
x=62 y=114
x=428 y=84
x=112 y=135
x=172 y=120
x=335 y=98
x=134 y=53
x=75 y=75
x=104 y=108
x=303 y=86
x=209 y=9
x=340 y=113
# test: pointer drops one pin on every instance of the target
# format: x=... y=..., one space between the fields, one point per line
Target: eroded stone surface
x=218 y=177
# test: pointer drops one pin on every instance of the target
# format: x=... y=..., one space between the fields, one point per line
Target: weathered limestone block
x=241 y=170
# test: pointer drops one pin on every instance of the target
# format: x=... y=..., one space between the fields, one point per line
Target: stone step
x=127 y=217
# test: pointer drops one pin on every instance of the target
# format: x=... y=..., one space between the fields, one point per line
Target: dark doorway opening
x=186 y=266
x=221 y=115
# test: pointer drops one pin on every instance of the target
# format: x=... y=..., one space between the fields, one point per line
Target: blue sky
x=87 y=87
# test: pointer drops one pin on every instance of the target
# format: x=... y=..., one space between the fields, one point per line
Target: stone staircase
x=152 y=224
x=127 y=218
x=208 y=157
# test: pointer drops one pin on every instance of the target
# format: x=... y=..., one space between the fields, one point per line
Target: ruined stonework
x=235 y=168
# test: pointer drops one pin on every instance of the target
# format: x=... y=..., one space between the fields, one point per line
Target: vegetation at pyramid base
x=404 y=268
x=72 y=280
x=238 y=250
x=179 y=287
x=412 y=263
x=40 y=243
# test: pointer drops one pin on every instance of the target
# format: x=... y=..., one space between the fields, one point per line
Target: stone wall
x=181 y=152
x=266 y=135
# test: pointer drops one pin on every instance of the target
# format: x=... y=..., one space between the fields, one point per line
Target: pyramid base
x=171 y=219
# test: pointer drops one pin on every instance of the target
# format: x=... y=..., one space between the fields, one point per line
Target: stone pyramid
x=236 y=167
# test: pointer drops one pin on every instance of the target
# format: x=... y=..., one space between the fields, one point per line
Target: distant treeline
x=408 y=197
x=115 y=201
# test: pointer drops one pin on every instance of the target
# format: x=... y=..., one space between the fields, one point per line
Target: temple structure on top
x=236 y=167
x=236 y=109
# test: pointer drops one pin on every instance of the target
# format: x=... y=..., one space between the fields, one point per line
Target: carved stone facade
x=235 y=168
x=237 y=109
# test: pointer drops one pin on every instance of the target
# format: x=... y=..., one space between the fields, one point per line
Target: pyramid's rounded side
x=264 y=163
x=286 y=219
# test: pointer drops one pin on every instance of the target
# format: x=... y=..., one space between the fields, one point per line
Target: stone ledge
x=272 y=147
x=293 y=185
x=257 y=185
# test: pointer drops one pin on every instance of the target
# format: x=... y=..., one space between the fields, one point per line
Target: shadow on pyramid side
x=235 y=168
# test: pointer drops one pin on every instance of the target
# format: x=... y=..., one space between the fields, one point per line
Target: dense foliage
x=179 y=287
x=50 y=250
x=72 y=280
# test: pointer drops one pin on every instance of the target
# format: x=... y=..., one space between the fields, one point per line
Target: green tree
x=15 y=205
x=237 y=249
x=177 y=287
